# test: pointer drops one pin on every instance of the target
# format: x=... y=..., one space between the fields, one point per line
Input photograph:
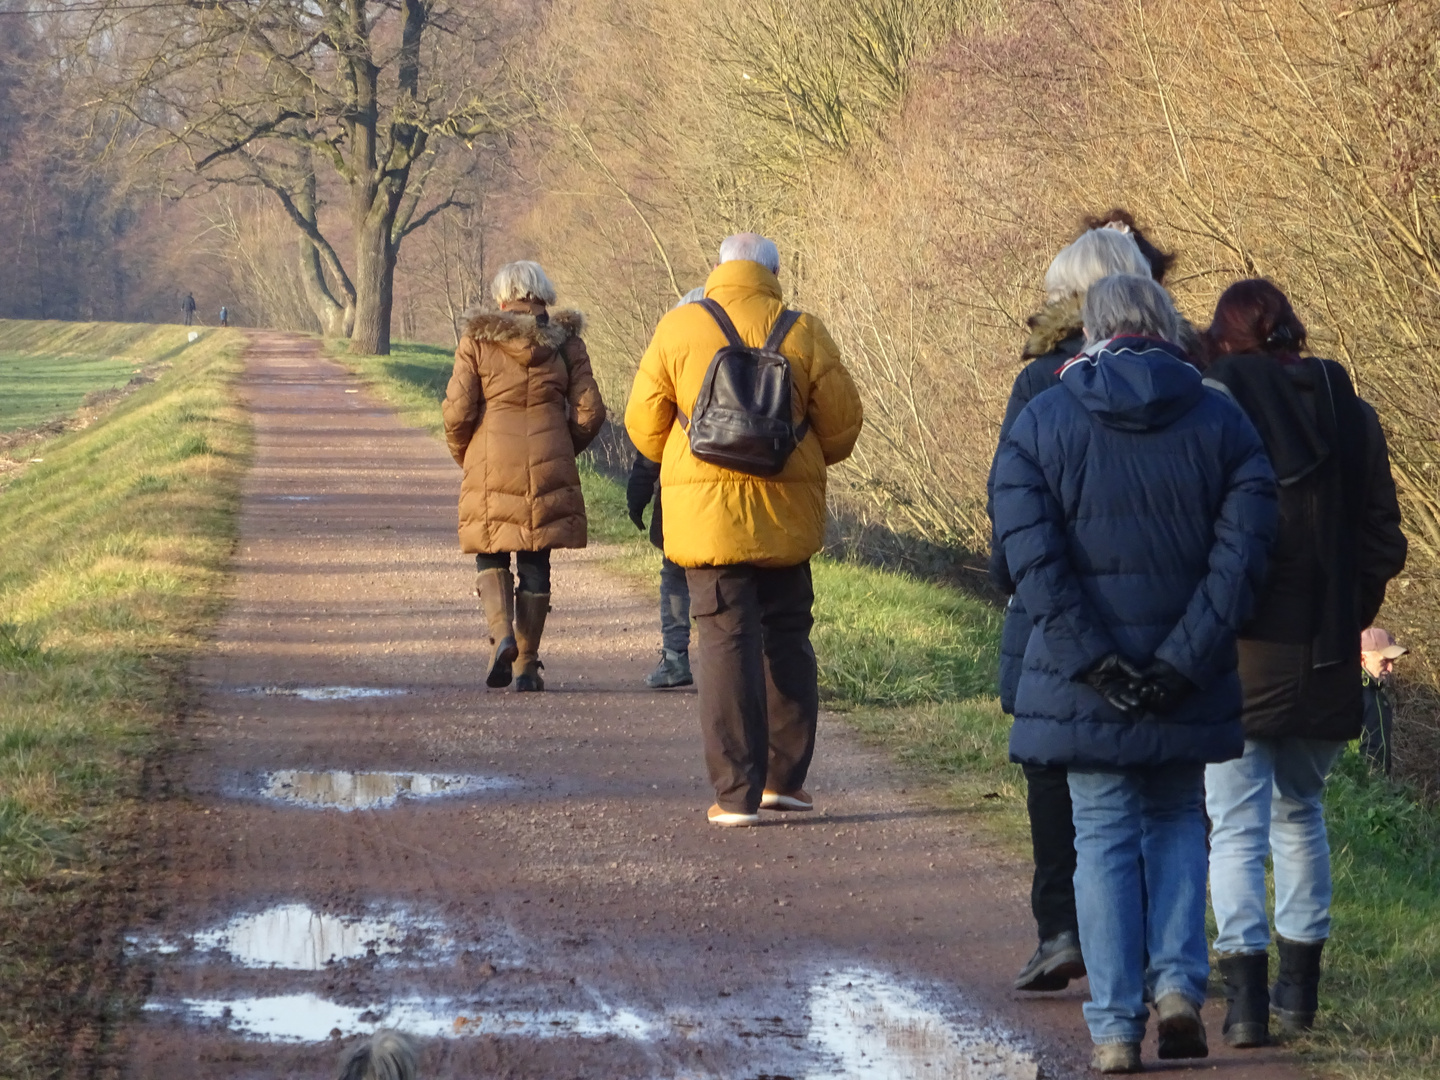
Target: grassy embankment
x=116 y=546
x=910 y=666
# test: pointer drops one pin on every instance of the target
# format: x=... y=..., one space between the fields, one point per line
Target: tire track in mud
x=567 y=912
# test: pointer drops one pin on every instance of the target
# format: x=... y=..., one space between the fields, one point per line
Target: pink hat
x=1378 y=640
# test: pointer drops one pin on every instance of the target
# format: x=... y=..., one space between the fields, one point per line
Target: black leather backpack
x=741 y=418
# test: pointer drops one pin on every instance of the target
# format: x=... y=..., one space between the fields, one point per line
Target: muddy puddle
x=337 y=789
x=858 y=1024
x=310 y=1018
x=295 y=937
x=324 y=693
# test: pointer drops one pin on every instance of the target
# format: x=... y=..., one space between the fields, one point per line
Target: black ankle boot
x=1247 y=1021
x=1296 y=993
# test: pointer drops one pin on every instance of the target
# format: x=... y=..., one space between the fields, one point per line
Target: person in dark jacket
x=1378 y=653
x=674 y=667
x=1056 y=335
x=1338 y=545
x=187 y=308
x=1134 y=507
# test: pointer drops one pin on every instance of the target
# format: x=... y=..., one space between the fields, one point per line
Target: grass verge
x=117 y=545
x=910 y=666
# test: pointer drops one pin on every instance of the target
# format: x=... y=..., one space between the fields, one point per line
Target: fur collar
x=1052 y=324
x=506 y=327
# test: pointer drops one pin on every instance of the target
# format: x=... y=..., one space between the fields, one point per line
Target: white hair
x=751 y=247
x=522 y=280
x=1129 y=304
x=1096 y=254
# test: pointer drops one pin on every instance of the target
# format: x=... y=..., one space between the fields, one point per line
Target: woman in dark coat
x=1339 y=543
x=1110 y=245
x=1134 y=507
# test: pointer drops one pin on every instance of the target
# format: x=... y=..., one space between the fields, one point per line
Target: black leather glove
x=1163 y=688
x=637 y=515
x=1116 y=680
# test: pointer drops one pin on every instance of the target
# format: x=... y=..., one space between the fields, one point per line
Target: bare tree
x=299 y=97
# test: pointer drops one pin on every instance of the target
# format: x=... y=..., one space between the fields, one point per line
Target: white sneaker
x=719 y=816
x=795 y=800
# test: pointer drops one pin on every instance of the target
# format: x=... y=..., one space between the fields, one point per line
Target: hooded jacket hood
x=1134 y=383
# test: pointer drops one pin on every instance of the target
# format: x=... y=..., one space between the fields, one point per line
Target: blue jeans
x=1268 y=803
x=1122 y=819
x=674 y=608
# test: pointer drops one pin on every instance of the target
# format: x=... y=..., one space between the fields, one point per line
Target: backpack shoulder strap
x=783 y=325
x=723 y=320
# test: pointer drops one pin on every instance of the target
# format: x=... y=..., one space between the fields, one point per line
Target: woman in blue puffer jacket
x=1135 y=507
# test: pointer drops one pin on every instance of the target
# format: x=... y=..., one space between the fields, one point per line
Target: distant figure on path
x=224 y=316
x=1056 y=335
x=1338 y=545
x=187 y=308
x=1378 y=653
x=746 y=536
x=1134 y=507
x=521 y=403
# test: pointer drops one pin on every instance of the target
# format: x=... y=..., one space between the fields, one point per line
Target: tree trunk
x=374 y=286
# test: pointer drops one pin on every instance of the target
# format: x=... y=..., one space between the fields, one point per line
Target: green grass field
x=117 y=549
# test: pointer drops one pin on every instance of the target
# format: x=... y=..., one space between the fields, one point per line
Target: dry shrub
x=918 y=199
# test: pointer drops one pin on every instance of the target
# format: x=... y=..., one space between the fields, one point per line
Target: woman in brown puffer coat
x=522 y=402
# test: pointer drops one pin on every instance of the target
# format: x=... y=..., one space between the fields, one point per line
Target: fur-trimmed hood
x=545 y=330
x=1052 y=324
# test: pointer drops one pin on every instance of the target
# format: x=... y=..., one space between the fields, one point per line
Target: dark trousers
x=1052 y=837
x=757 y=680
x=674 y=607
x=531 y=567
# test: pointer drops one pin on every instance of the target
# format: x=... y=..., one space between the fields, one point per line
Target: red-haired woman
x=1338 y=544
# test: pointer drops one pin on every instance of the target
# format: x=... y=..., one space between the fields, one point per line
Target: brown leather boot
x=496 y=590
x=530 y=611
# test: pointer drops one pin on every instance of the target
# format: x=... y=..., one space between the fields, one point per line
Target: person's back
x=1141 y=463
x=746 y=540
x=716 y=515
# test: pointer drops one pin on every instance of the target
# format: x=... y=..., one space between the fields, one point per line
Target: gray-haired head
x=386 y=1055
x=1096 y=254
x=751 y=247
x=1129 y=304
x=522 y=280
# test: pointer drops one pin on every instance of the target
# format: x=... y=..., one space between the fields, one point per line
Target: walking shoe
x=1055 y=963
x=496 y=590
x=1116 y=1058
x=729 y=819
x=1296 y=993
x=1247 y=1019
x=1182 y=1032
x=674 y=670
x=795 y=800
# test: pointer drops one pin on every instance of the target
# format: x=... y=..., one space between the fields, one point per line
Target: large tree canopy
x=302 y=97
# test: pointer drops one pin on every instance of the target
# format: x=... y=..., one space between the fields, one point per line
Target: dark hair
x=1253 y=316
x=1160 y=261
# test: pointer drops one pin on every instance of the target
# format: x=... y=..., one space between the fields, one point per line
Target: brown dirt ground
x=595 y=885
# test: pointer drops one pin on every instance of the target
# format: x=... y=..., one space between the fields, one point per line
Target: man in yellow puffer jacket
x=744 y=540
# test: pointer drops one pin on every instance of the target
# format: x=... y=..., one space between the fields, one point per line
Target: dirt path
x=529 y=883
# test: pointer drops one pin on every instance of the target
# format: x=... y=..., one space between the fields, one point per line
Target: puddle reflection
x=324 y=693
x=340 y=790
x=298 y=938
x=310 y=1018
x=876 y=1029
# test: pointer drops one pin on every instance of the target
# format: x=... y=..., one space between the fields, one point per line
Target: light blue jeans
x=1268 y=803
x=1123 y=819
